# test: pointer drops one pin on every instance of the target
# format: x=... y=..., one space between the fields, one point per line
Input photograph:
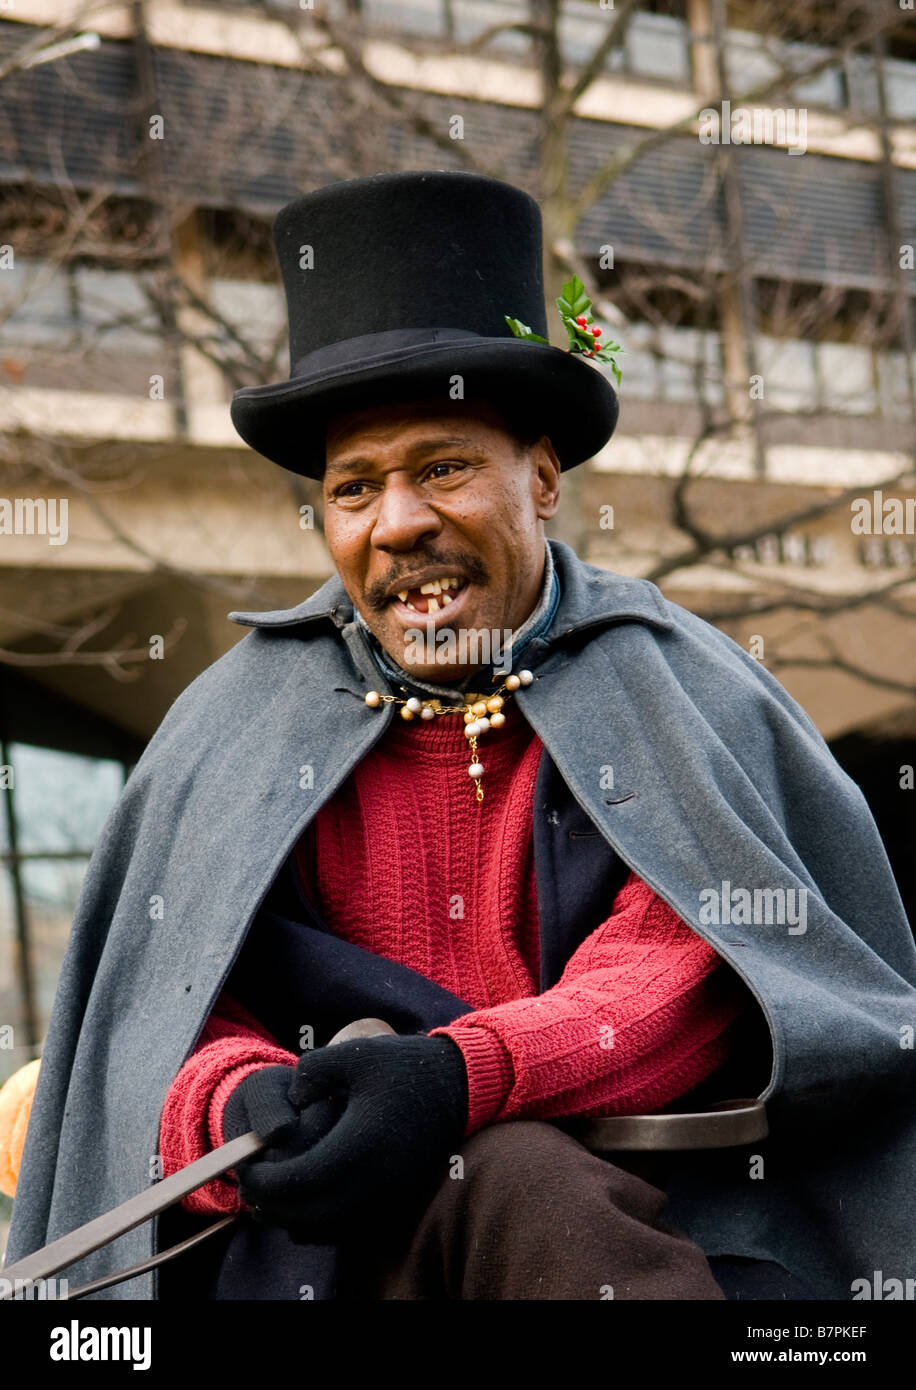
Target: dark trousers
x=533 y=1215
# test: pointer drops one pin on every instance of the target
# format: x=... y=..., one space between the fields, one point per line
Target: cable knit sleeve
x=232 y=1044
x=642 y=1013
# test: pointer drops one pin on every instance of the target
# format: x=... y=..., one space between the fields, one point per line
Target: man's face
x=414 y=495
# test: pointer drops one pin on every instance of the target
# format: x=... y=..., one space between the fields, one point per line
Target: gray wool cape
x=718 y=778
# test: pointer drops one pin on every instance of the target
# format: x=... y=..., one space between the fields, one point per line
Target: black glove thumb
x=261 y=1102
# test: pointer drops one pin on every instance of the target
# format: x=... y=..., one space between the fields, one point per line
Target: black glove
x=261 y=1102
x=364 y=1128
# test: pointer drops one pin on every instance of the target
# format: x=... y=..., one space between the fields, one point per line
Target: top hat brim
x=563 y=396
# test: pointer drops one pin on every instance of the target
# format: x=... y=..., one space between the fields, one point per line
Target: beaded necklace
x=480 y=713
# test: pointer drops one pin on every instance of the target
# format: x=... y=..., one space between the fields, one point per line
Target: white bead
x=413 y=704
x=525 y=677
x=471 y=730
x=427 y=712
x=373 y=699
x=475 y=770
x=483 y=723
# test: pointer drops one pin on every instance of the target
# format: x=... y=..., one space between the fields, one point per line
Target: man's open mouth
x=432 y=596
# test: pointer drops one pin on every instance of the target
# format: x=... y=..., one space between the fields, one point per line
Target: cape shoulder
x=300 y=650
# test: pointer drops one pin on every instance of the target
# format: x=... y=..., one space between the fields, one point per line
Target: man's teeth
x=437 y=588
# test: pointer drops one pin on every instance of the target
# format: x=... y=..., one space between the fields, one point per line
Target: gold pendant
x=480 y=712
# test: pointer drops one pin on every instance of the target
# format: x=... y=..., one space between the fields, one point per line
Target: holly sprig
x=575 y=308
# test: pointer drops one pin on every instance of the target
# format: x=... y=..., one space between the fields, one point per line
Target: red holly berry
x=581 y=320
x=596 y=332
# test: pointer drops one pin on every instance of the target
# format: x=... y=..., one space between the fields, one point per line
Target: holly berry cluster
x=576 y=312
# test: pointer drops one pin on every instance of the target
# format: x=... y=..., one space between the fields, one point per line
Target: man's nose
x=404 y=518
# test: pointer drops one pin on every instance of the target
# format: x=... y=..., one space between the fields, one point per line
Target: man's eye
x=443 y=464
x=346 y=490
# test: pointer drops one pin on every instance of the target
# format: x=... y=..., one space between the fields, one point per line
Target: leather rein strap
x=81 y=1242
x=726 y=1125
x=145 y=1205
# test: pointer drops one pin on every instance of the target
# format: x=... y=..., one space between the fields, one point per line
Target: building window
x=54 y=806
x=671 y=364
x=76 y=305
x=847 y=378
x=789 y=370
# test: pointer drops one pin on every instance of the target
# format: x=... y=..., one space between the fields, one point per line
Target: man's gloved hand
x=354 y=1130
x=261 y=1102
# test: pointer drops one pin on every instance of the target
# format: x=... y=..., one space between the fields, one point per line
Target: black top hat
x=396 y=286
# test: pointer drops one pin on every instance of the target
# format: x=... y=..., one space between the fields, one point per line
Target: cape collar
x=589 y=597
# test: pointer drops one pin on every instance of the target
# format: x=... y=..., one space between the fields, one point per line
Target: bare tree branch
x=122 y=661
x=20 y=60
x=618 y=163
x=594 y=68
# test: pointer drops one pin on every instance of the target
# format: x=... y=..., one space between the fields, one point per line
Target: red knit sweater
x=406 y=863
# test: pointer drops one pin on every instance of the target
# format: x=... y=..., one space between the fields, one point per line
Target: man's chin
x=440 y=654
x=438 y=673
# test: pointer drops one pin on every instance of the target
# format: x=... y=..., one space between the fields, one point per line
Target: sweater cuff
x=224 y=1090
x=491 y=1074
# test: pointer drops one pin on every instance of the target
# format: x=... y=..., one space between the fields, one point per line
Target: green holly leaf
x=573 y=300
x=521 y=330
x=578 y=335
x=572 y=303
x=606 y=354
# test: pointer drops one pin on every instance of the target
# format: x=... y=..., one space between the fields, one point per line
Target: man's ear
x=546 y=480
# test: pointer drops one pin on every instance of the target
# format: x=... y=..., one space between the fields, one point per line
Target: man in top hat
x=483 y=792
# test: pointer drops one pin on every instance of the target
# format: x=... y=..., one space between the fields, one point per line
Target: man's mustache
x=378 y=595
